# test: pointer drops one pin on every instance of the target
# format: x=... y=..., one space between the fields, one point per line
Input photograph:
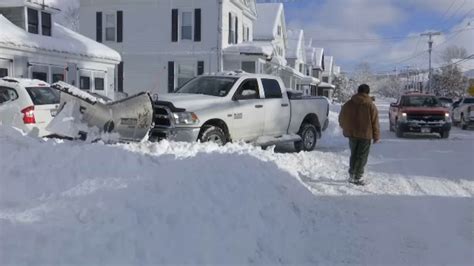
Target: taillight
x=29 y=115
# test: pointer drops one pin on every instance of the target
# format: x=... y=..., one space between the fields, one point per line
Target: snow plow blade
x=84 y=116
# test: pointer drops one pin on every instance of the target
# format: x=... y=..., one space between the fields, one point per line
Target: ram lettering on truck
x=239 y=107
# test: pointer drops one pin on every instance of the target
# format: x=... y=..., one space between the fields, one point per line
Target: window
x=7 y=94
x=3 y=72
x=41 y=76
x=99 y=84
x=272 y=89
x=46 y=23
x=110 y=23
x=43 y=95
x=231 y=29
x=85 y=83
x=185 y=73
x=58 y=77
x=301 y=68
x=213 y=86
x=279 y=30
x=248 y=90
x=248 y=66
x=33 y=21
x=325 y=79
x=248 y=34
x=186 y=26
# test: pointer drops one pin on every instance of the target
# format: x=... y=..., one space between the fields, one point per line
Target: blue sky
x=334 y=24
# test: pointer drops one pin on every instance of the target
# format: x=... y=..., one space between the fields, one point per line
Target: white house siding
x=147 y=46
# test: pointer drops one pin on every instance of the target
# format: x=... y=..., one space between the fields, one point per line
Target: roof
x=319 y=57
x=325 y=85
x=328 y=63
x=62 y=41
x=22 y=82
x=266 y=26
x=295 y=43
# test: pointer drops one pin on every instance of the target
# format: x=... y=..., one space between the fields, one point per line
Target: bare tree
x=70 y=18
x=453 y=52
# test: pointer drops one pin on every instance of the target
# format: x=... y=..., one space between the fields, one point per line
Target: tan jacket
x=359 y=118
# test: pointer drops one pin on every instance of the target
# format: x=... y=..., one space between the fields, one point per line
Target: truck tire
x=462 y=124
x=309 y=137
x=444 y=134
x=399 y=132
x=213 y=134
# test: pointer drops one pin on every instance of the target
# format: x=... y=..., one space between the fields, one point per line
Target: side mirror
x=393 y=105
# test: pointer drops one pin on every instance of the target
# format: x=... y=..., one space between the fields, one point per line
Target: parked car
x=463 y=112
x=240 y=106
x=27 y=104
x=446 y=101
x=420 y=113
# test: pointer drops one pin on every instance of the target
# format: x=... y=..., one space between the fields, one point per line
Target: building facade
x=164 y=43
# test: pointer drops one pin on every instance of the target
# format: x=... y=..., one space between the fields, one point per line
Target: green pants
x=360 y=149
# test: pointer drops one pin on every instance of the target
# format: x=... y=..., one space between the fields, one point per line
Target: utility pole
x=430 y=48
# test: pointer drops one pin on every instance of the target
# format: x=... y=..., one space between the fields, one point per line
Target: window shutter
x=170 y=76
x=119 y=26
x=236 y=30
x=120 y=77
x=230 y=28
x=200 y=68
x=197 y=25
x=174 y=25
x=98 y=23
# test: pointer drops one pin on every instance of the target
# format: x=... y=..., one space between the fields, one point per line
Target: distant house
x=32 y=45
x=297 y=59
x=165 y=43
x=326 y=88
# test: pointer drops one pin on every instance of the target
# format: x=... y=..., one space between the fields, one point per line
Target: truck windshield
x=420 y=101
x=43 y=95
x=469 y=100
x=213 y=86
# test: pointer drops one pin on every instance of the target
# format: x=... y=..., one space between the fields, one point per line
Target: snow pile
x=190 y=203
x=256 y=48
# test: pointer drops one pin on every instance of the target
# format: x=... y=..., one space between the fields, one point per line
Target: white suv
x=27 y=104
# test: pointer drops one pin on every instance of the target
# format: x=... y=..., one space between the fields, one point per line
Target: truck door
x=277 y=108
x=248 y=111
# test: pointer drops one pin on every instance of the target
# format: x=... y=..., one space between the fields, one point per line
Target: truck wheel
x=444 y=134
x=213 y=134
x=463 y=125
x=309 y=137
x=399 y=132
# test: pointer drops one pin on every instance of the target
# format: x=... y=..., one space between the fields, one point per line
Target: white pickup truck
x=239 y=107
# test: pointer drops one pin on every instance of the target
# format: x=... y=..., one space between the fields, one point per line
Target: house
x=315 y=66
x=297 y=59
x=164 y=43
x=326 y=88
x=32 y=45
x=265 y=51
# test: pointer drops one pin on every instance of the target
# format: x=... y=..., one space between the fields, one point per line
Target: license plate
x=425 y=130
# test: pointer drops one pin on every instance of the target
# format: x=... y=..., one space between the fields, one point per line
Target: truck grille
x=161 y=117
x=425 y=117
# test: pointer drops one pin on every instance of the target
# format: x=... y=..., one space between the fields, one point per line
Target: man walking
x=359 y=121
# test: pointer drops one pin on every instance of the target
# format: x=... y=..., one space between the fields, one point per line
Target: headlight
x=185 y=118
x=403 y=117
x=447 y=117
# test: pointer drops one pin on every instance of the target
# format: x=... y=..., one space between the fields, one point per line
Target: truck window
x=272 y=89
x=248 y=90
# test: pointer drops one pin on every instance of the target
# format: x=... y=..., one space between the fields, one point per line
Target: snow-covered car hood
x=190 y=102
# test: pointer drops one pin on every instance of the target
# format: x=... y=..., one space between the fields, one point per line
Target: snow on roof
x=63 y=41
x=337 y=70
x=328 y=63
x=325 y=84
x=319 y=56
x=253 y=48
x=310 y=55
x=266 y=26
x=295 y=43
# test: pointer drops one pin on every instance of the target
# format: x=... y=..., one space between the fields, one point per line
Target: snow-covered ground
x=76 y=203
